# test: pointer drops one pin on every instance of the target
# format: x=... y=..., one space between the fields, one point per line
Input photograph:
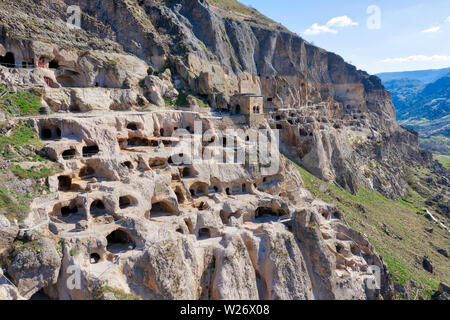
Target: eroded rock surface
x=127 y=220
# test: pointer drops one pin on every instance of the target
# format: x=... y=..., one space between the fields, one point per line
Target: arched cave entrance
x=69 y=154
x=68 y=211
x=126 y=202
x=94 y=258
x=46 y=134
x=162 y=209
x=132 y=127
x=204 y=233
x=90 y=151
x=8 y=60
x=119 y=241
x=53 y=64
x=97 y=208
x=264 y=212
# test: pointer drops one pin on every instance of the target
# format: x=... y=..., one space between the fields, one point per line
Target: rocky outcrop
x=8 y=233
x=132 y=220
x=34 y=265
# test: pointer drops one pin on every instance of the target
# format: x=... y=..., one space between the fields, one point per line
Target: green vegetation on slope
x=21 y=144
x=403 y=250
x=119 y=294
x=425 y=109
x=20 y=102
x=444 y=160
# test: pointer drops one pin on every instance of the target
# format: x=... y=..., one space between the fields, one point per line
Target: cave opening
x=8 y=60
x=187 y=172
x=138 y=142
x=154 y=143
x=162 y=209
x=69 y=154
x=179 y=194
x=125 y=202
x=53 y=64
x=46 y=134
x=97 y=208
x=64 y=183
x=204 y=233
x=132 y=126
x=90 y=151
x=87 y=172
x=262 y=212
x=94 y=258
x=119 y=241
x=74 y=108
x=127 y=164
x=157 y=163
x=67 y=211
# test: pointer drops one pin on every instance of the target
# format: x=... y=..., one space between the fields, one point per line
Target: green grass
x=21 y=145
x=73 y=252
x=182 y=101
x=20 y=102
x=12 y=206
x=443 y=159
x=367 y=211
x=118 y=293
x=32 y=173
x=23 y=136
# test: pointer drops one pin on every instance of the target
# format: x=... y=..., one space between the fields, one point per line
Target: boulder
x=427 y=264
x=34 y=265
x=8 y=233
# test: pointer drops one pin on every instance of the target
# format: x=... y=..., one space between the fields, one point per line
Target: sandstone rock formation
x=132 y=220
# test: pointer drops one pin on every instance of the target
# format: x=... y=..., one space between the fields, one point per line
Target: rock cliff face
x=132 y=222
x=330 y=113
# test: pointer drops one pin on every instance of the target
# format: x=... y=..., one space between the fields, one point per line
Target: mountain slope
x=424 y=108
x=138 y=224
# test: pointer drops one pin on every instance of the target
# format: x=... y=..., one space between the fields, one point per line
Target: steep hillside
x=398 y=229
x=403 y=92
x=150 y=196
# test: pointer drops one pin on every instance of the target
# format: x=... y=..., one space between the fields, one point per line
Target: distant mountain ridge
x=423 y=107
x=426 y=76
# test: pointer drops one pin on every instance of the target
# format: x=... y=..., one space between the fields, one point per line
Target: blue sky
x=410 y=35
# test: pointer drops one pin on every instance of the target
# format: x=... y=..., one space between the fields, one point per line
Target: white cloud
x=431 y=30
x=330 y=26
x=341 y=22
x=418 y=58
x=315 y=29
x=447 y=20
